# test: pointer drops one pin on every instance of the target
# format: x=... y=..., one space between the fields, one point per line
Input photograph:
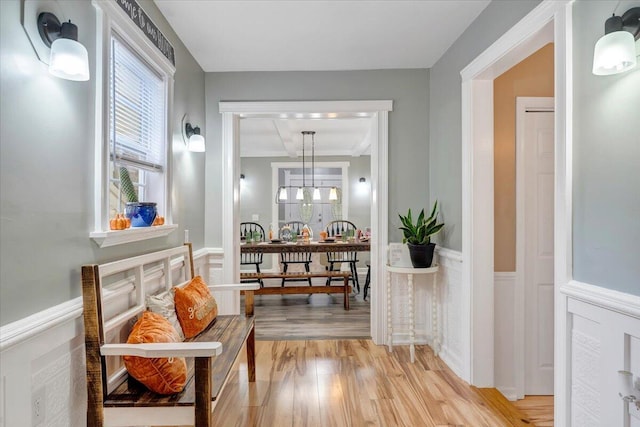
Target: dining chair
x=287 y=258
x=342 y=228
x=252 y=231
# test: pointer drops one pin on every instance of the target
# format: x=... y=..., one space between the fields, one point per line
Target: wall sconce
x=68 y=59
x=615 y=52
x=629 y=390
x=191 y=136
x=362 y=180
x=241 y=176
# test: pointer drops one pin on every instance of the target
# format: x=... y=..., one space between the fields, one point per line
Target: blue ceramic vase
x=141 y=214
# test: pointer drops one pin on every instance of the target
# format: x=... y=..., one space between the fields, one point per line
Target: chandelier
x=306 y=194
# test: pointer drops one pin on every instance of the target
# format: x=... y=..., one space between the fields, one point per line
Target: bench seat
x=229 y=330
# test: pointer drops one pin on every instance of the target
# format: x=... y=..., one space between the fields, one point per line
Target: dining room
x=305 y=209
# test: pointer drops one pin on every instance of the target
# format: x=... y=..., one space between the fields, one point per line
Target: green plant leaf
x=126 y=186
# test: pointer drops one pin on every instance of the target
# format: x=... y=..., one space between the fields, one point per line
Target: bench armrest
x=235 y=287
x=173 y=349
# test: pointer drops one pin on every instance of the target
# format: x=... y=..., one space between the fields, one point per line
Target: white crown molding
x=609 y=299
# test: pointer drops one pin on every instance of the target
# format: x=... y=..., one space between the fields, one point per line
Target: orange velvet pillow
x=195 y=306
x=161 y=375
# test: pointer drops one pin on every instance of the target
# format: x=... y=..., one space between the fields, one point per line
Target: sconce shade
x=196 y=143
x=614 y=53
x=69 y=59
x=316 y=193
x=191 y=135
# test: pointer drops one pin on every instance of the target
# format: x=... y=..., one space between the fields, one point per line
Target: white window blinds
x=137 y=121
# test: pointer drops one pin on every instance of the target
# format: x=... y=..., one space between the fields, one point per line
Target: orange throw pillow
x=161 y=375
x=195 y=306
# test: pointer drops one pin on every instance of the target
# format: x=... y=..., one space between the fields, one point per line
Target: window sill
x=118 y=237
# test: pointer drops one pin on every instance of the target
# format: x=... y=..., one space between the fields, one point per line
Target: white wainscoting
x=43 y=355
x=603 y=336
x=504 y=333
x=454 y=317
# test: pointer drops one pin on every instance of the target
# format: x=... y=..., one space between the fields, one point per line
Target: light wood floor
x=319 y=316
x=356 y=383
x=539 y=409
x=340 y=381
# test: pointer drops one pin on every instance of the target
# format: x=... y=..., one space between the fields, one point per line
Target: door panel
x=538 y=215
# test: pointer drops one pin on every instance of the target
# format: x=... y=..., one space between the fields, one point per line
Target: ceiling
x=275 y=137
x=263 y=35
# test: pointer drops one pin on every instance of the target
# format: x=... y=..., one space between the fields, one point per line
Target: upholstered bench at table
x=115 y=398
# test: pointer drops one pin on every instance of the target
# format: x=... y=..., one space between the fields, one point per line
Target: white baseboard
x=508 y=392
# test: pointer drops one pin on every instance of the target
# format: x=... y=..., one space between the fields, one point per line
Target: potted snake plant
x=417 y=236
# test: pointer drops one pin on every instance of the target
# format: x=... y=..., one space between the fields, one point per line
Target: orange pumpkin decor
x=119 y=222
x=159 y=220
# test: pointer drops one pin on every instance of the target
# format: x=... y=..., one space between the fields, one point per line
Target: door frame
x=551 y=17
x=523 y=103
x=378 y=110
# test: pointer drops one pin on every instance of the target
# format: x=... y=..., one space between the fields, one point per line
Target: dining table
x=276 y=247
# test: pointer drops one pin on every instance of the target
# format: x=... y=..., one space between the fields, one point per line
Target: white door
x=538 y=164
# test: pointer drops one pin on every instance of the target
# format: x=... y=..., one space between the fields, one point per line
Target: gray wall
x=606 y=150
x=408 y=125
x=445 y=122
x=46 y=166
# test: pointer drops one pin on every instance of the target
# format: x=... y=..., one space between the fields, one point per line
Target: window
x=133 y=104
x=137 y=115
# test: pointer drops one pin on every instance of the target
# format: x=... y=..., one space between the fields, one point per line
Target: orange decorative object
x=161 y=375
x=159 y=220
x=195 y=307
x=119 y=222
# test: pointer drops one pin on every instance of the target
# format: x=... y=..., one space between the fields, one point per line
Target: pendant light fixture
x=307 y=195
x=300 y=192
x=316 y=190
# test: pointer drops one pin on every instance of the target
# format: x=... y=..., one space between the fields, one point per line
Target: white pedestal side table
x=410 y=272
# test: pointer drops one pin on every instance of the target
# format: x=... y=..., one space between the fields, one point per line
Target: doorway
x=378 y=111
x=548 y=22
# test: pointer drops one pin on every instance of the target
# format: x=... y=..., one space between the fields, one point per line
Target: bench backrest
x=114 y=296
